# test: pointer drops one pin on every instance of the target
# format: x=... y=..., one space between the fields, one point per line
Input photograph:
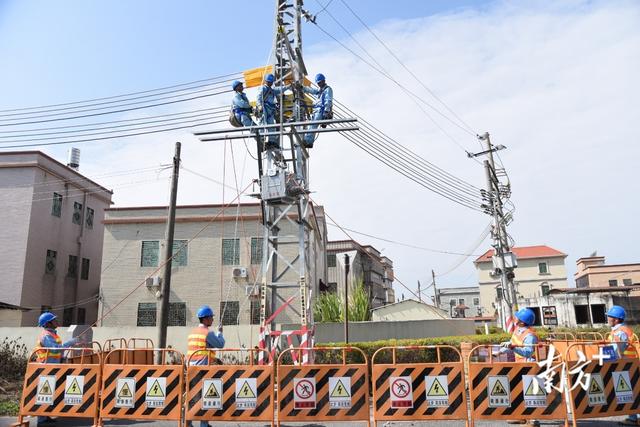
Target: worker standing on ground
x=267 y=107
x=240 y=105
x=48 y=339
x=322 y=108
x=622 y=336
x=200 y=339
x=523 y=344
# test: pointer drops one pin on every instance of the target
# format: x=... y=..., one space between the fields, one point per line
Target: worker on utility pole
x=200 y=340
x=267 y=107
x=240 y=105
x=523 y=344
x=623 y=337
x=49 y=339
x=322 y=108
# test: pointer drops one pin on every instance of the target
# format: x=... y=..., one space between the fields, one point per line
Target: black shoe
x=271 y=145
x=46 y=421
x=307 y=145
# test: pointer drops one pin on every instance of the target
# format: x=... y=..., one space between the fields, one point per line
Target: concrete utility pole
x=436 y=297
x=165 y=286
x=419 y=292
x=346 y=298
x=504 y=261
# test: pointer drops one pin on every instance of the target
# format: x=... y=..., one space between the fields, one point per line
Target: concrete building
x=540 y=269
x=460 y=301
x=366 y=264
x=594 y=272
x=218 y=262
x=51 y=240
x=408 y=310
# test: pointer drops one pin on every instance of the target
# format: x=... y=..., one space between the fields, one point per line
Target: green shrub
x=9 y=408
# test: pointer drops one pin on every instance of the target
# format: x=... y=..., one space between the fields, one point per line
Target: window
x=331 y=260
x=613 y=283
x=177 y=314
x=476 y=301
x=461 y=301
x=499 y=294
x=582 y=314
x=146 y=314
x=255 y=312
x=598 y=313
x=180 y=251
x=89 y=220
x=56 y=207
x=84 y=273
x=256 y=250
x=230 y=311
x=332 y=287
x=77 y=213
x=543 y=268
x=50 y=262
x=627 y=282
x=67 y=316
x=230 y=252
x=72 y=270
x=150 y=253
x=545 y=288
x=82 y=316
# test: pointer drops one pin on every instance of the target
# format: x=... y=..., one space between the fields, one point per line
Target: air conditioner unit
x=252 y=291
x=153 y=282
x=239 y=273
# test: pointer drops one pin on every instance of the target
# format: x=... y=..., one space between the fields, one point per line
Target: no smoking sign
x=304 y=393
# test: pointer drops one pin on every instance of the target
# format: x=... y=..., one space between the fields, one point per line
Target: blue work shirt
x=324 y=98
x=529 y=348
x=267 y=97
x=240 y=103
x=621 y=336
x=214 y=340
x=48 y=341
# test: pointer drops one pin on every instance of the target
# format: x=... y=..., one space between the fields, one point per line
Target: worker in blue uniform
x=267 y=107
x=240 y=104
x=322 y=107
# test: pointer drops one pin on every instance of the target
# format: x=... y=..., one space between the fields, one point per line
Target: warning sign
x=212 y=394
x=46 y=388
x=73 y=389
x=535 y=395
x=340 y=392
x=596 y=390
x=401 y=392
x=304 y=393
x=246 y=393
x=499 y=391
x=622 y=387
x=125 y=392
x=156 y=392
x=437 y=389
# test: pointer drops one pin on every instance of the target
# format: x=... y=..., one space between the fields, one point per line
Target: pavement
x=599 y=422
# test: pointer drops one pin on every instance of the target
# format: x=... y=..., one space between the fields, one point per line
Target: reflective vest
x=197 y=342
x=630 y=351
x=517 y=339
x=48 y=356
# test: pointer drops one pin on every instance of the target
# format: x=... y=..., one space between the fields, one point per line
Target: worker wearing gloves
x=240 y=105
x=622 y=336
x=267 y=107
x=202 y=338
x=322 y=108
x=523 y=344
x=48 y=339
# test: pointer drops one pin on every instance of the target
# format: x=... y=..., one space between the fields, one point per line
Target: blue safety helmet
x=45 y=318
x=319 y=77
x=269 y=78
x=617 y=312
x=526 y=316
x=205 y=311
x=235 y=84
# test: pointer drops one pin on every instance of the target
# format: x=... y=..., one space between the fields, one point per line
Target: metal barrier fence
x=589 y=336
x=323 y=392
x=231 y=392
x=61 y=389
x=512 y=390
x=419 y=390
x=135 y=391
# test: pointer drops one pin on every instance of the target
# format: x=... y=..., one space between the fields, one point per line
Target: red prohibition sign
x=304 y=389
x=400 y=388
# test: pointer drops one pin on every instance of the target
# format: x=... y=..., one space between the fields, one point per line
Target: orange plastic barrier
x=508 y=391
x=421 y=390
x=136 y=391
x=589 y=336
x=560 y=336
x=323 y=392
x=609 y=388
x=61 y=389
x=238 y=392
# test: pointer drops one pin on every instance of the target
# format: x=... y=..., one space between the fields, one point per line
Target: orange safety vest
x=517 y=339
x=197 y=342
x=630 y=351
x=48 y=356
